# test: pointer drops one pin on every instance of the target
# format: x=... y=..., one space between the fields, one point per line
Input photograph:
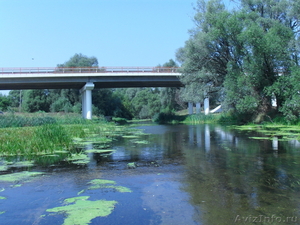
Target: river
x=184 y=174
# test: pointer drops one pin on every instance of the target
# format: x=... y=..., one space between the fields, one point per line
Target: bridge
x=87 y=79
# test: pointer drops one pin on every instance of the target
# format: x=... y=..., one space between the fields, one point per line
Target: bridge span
x=104 y=77
x=87 y=79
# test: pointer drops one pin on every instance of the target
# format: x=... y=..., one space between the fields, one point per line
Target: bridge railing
x=33 y=70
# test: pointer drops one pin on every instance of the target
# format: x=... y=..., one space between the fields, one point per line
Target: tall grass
x=43 y=139
x=47 y=136
x=201 y=118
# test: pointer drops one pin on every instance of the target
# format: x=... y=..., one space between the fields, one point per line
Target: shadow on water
x=184 y=174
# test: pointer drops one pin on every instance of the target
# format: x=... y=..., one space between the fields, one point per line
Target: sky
x=44 y=33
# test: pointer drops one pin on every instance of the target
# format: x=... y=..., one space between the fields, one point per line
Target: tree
x=80 y=60
x=35 y=100
x=241 y=54
x=4 y=102
x=168 y=94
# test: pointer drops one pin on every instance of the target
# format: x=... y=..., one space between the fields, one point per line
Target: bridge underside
x=79 y=82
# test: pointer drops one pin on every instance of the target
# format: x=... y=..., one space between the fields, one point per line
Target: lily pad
x=82 y=211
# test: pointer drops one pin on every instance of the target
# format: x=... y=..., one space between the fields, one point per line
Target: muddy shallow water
x=184 y=174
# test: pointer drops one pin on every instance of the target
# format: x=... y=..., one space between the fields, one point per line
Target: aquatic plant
x=21 y=176
x=271 y=131
x=81 y=211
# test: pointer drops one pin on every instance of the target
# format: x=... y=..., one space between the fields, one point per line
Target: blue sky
x=44 y=33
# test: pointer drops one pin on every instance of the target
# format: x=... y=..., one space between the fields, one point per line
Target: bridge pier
x=86 y=92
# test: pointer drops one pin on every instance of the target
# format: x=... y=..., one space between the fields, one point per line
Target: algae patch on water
x=21 y=176
x=79 y=159
x=81 y=211
x=105 y=184
x=99 y=183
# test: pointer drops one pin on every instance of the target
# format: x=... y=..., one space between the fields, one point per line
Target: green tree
x=80 y=60
x=238 y=54
x=4 y=102
x=35 y=100
x=68 y=100
x=168 y=94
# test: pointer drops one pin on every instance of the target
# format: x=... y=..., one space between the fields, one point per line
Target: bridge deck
x=104 y=77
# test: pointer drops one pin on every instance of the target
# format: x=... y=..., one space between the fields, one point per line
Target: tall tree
x=241 y=54
x=168 y=94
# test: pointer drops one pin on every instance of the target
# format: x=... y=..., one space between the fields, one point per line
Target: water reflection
x=229 y=176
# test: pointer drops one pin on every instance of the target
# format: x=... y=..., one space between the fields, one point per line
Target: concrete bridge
x=87 y=79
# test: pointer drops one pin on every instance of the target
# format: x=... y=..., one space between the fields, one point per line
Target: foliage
x=164 y=118
x=80 y=60
x=4 y=102
x=243 y=56
x=35 y=100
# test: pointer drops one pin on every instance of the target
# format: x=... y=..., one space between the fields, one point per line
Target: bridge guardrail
x=53 y=70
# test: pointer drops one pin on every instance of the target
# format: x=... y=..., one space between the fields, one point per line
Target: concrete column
x=86 y=92
x=198 y=108
x=190 y=109
x=83 y=100
x=206 y=106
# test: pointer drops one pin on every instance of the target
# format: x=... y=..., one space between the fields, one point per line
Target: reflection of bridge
x=86 y=79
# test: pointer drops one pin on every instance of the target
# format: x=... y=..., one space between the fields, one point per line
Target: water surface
x=185 y=174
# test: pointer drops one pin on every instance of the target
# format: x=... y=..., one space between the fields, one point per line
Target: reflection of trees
x=239 y=176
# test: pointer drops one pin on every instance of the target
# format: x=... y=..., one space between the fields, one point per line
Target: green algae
x=130 y=136
x=120 y=188
x=80 y=159
x=80 y=192
x=1 y=197
x=131 y=165
x=99 y=151
x=141 y=142
x=3 y=167
x=21 y=176
x=273 y=130
x=107 y=184
x=82 y=211
x=262 y=138
x=99 y=183
x=23 y=164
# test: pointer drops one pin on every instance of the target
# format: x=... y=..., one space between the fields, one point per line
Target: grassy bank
x=53 y=138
